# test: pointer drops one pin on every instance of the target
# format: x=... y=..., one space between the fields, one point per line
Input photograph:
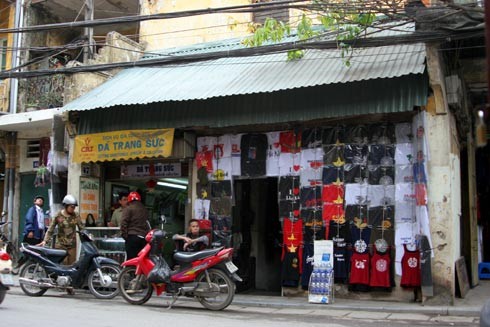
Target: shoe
x=70 y=291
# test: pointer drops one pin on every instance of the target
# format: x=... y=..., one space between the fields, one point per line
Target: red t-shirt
x=411 y=274
x=359 y=268
x=380 y=270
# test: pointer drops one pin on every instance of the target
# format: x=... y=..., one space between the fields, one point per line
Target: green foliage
x=347 y=27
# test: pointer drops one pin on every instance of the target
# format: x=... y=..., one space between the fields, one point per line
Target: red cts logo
x=87 y=147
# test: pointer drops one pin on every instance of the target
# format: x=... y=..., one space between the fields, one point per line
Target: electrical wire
x=247 y=52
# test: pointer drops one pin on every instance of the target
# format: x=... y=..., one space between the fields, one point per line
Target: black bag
x=161 y=272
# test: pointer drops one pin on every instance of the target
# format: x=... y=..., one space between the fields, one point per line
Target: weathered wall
x=444 y=199
x=444 y=190
x=169 y=33
x=118 y=48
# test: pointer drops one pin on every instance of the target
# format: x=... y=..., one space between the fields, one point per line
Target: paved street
x=56 y=309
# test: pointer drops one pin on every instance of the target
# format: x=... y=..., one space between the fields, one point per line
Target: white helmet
x=69 y=200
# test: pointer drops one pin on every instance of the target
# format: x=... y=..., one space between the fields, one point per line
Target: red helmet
x=134 y=196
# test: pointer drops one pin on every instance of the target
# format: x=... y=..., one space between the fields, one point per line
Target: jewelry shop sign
x=124 y=145
x=152 y=169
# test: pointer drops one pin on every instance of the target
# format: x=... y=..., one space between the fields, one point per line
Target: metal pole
x=14 y=84
x=89 y=50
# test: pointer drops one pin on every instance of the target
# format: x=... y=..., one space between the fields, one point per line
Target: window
x=33 y=149
x=3 y=54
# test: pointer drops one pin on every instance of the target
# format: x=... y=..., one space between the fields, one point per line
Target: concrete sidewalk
x=470 y=306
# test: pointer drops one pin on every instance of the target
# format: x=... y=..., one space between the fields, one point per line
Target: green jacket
x=67 y=227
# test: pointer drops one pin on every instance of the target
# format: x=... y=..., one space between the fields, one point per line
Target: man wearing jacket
x=134 y=225
x=34 y=228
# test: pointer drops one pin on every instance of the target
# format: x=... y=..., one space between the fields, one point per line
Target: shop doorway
x=483 y=191
x=257 y=235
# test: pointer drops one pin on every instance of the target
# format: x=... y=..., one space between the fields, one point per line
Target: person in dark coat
x=34 y=228
x=134 y=225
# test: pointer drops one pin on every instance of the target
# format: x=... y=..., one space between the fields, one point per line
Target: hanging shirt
x=380 y=154
x=311 y=138
x=289 y=209
x=206 y=143
x=404 y=193
x=355 y=174
x=222 y=148
x=311 y=197
x=205 y=159
x=289 y=188
x=403 y=174
x=333 y=155
x=311 y=177
x=380 y=175
x=253 y=155
x=235 y=140
x=289 y=164
x=380 y=195
x=333 y=175
x=403 y=132
x=359 y=268
x=334 y=135
x=312 y=158
x=290 y=142
x=356 y=154
x=40 y=217
x=411 y=273
x=356 y=194
x=333 y=194
x=404 y=153
x=380 y=270
x=273 y=152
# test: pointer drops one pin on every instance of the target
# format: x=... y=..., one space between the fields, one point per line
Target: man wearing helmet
x=134 y=225
x=67 y=221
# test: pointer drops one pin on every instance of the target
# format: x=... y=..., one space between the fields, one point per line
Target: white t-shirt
x=403 y=153
x=222 y=149
x=356 y=193
x=206 y=143
x=310 y=177
x=289 y=164
x=312 y=158
x=380 y=195
x=273 y=153
x=404 y=193
x=403 y=174
x=201 y=209
x=403 y=131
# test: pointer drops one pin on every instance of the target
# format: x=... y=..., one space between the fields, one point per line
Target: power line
x=256 y=7
x=417 y=37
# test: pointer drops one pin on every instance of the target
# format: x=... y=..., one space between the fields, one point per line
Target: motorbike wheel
x=35 y=272
x=135 y=289
x=3 y=291
x=226 y=286
x=110 y=274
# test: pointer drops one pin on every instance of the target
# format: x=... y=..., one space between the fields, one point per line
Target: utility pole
x=89 y=50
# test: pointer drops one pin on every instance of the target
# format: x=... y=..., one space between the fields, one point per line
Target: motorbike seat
x=193 y=256
x=47 y=251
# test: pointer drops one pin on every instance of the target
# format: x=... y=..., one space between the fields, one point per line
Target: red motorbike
x=208 y=275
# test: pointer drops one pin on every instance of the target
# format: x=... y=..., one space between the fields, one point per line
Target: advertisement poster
x=323 y=252
x=89 y=198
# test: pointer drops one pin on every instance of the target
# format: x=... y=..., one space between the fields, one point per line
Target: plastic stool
x=484 y=270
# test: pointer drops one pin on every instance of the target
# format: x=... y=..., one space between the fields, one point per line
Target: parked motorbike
x=207 y=275
x=44 y=270
x=6 y=279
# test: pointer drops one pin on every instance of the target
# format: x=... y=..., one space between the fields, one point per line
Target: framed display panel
x=115 y=190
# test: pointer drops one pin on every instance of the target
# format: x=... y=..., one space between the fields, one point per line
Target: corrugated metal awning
x=250 y=75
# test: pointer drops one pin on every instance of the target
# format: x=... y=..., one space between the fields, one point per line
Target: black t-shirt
x=378 y=153
x=289 y=188
x=333 y=155
x=381 y=175
x=356 y=154
x=333 y=135
x=289 y=209
x=253 y=154
x=290 y=269
x=311 y=197
x=332 y=174
x=311 y=138
x=355 y=173
x=220 y=189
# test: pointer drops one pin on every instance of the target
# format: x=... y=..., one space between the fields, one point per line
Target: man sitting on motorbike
x=192 y=241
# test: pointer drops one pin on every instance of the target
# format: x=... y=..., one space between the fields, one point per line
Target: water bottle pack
x=321 y=284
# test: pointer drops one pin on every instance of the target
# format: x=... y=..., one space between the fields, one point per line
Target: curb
x=466 y=311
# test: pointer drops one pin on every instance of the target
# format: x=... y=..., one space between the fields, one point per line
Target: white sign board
x=323 y=252
x=153 y=169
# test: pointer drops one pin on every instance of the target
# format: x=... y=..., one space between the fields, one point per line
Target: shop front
x=286 y=154
x=112 y=164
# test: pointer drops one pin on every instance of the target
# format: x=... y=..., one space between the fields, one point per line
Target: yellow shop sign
x=124 y=145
